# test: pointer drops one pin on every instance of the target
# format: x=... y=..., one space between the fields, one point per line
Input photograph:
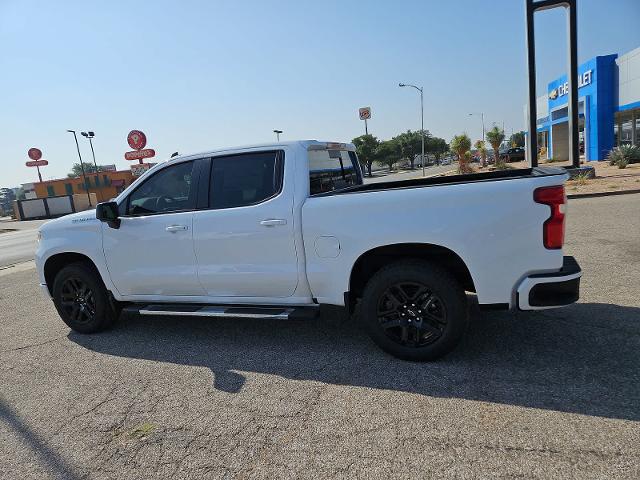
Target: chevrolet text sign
x=583 y=80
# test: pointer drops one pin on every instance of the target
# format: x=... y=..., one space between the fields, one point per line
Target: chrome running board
x=189 y=310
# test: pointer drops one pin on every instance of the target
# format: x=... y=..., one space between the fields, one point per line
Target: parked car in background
x=514 y=154
x=277 y=231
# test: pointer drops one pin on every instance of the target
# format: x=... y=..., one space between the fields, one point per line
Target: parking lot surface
x=527 y=395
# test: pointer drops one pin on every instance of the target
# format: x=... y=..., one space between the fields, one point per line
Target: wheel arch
x=374 y=259
x=57 y=262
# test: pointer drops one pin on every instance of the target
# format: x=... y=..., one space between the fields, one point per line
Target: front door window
x=169 y=190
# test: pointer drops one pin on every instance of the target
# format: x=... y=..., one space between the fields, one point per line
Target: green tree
x=517 y=139
x=482 y=151
x=410 y=144
x=76 y=170
x=460 y=145
x=495 y=137
x=6 y=200
x=437 y=147
x=366 y=148
x=388 y=153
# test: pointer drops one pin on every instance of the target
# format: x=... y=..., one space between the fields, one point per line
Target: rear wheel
x=82 y=299
x=415 y=310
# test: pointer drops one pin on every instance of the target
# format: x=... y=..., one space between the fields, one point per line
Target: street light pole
x=277 y=132
x=89 y=136
x=84 y=176
x=421 y=119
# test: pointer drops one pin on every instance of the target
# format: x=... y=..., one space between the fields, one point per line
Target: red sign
x=34 y=154
x=37 y=163
x=140 y=154
x=137 y=140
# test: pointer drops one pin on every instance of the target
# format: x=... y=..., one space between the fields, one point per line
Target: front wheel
x=82 y=299
x=415 y=310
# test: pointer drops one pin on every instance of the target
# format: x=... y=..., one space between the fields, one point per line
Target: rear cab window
x=332 y=168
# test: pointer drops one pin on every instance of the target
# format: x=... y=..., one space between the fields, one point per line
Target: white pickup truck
x=280 y=230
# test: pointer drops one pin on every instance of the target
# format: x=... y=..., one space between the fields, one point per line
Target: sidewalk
x=609 y=179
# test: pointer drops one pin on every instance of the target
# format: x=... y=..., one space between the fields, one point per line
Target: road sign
x=140 y=154
x=365 y=113
x=34 y=154
x=136 y=139
x=37 y=163
x=138 y=169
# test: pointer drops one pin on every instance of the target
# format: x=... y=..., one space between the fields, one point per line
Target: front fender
x=85 y=240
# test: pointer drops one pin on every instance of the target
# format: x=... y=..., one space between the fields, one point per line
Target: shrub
x=582 y=179
x=543 y=153
x=624 y=155
x=502 y=165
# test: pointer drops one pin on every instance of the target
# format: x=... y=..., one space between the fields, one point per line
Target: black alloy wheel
x=411 y=314
x=414 y=310
x=82 y=299
x=78 y=301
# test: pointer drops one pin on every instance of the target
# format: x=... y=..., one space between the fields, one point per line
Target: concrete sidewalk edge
x=602 y=194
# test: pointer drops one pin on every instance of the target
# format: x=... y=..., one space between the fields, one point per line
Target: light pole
x=277 y=132
x=421 y=118
x=482 y=115
x=89 y=136
x=84 y=176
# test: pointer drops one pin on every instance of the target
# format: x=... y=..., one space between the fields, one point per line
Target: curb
x=440 y=174
x=602 y=194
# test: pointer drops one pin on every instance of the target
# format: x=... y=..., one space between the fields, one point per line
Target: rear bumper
x=550 y=290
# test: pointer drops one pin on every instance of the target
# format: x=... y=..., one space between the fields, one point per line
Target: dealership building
x=608 y=108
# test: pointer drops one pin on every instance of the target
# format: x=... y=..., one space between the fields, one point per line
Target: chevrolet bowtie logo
x=553 y=94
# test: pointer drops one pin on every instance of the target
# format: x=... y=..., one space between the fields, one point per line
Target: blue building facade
x=608 y=107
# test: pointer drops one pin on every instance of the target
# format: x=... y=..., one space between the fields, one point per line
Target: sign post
x=365 y=114
x=137 y=140
x=35 y=154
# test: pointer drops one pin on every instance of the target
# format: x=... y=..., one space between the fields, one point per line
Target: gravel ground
x=527 y=395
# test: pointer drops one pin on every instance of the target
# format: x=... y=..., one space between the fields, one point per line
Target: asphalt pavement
x=406 y=174
x=552 y=394
x=17 y=241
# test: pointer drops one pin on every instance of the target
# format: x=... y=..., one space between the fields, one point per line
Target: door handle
x=176 y=228
x=272 y=222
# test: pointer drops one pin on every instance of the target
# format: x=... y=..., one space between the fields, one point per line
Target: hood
x=86 y=217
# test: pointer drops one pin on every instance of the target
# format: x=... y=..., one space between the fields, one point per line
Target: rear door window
x=245 y=179
x=331 y=170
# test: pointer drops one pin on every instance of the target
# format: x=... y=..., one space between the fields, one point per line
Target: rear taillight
x=553 y=228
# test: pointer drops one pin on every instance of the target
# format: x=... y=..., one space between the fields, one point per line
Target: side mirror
x=108 y=212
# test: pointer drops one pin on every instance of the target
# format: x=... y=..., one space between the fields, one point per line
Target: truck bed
x=497 y=175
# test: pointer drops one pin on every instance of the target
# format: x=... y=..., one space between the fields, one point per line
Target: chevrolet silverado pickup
x=277 y=231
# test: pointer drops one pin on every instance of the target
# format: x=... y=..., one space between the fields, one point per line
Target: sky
x=196 y=75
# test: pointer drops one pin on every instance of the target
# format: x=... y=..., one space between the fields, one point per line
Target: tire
x=415 y=310
x=82 y=300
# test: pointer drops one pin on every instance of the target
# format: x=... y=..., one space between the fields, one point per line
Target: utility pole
x=84 y=176
x=89 y=136
x=421 y=118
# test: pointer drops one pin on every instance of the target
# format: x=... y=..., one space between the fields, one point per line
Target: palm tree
x=482 y=150
x=460 y=145
x=495 y=136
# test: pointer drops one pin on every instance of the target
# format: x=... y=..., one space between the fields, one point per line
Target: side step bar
x=226 y=311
